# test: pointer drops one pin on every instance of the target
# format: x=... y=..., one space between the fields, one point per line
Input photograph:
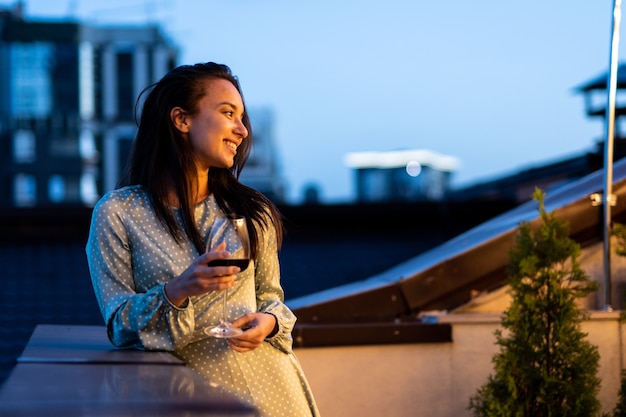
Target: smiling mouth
x=231 y=145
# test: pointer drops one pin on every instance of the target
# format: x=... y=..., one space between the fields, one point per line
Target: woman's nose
x=242 y=130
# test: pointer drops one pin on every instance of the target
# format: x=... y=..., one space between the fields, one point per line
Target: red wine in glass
x=237 y=238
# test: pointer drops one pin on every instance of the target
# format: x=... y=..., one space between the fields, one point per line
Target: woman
x=147 y=247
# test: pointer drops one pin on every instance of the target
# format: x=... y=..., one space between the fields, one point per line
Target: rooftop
x=46 y=280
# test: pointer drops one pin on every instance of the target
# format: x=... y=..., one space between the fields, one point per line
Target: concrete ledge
x=491 y=318
x=355 y=334
x=73 y=371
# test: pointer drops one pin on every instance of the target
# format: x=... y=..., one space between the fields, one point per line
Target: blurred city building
x=67 y=101
x=262 y=170
x=406 y=175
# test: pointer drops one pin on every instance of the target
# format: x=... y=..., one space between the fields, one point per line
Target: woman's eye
x=230 y=113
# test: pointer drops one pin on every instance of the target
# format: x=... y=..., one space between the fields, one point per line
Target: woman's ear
x=180 y=119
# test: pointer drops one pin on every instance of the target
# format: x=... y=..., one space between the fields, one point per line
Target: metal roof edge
x=446 y=259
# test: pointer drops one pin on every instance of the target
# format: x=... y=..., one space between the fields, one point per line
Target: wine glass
x=234 y=231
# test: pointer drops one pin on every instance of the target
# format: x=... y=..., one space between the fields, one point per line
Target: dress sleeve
x=269 y=292
x=139 y=320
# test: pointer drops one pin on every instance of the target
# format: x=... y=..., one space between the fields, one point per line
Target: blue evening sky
x=489 y=82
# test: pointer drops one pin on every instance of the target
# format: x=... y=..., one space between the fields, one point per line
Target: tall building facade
x=262 y=171
x=67 y=100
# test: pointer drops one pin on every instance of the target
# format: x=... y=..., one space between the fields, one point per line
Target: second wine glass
x=235 y=232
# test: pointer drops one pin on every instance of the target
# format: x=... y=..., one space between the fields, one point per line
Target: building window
x=24 y=190
x=125 y=146
x=56 y=188
x=125 y=88
x=88 y=188
x=31 y=83
x=374 y=185
x=24 y=147
x=64 y=146
x=87 y=145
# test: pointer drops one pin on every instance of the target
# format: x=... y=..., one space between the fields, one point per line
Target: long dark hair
x=160 y=158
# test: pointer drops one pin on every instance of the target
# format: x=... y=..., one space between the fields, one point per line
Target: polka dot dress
x=131 y=256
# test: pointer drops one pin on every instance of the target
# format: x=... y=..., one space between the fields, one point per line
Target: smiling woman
x=215 y=130
x=156 y=283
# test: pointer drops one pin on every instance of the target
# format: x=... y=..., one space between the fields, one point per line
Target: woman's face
x=216 y=130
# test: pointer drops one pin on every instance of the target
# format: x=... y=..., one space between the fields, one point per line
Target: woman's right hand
x=200 y=278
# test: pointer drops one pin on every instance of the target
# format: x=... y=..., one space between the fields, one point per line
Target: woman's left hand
x=258 y=326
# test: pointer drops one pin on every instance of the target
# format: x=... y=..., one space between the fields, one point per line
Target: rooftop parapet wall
x=436 y=379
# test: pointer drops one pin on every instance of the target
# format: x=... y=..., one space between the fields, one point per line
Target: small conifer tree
x=619 y=231
x=545 y=367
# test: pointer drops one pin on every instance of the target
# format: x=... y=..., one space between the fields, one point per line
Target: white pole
x=608 y=151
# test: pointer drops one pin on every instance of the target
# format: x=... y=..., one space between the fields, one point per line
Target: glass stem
x=224 y=307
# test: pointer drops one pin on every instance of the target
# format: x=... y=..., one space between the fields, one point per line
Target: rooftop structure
x=407 y=175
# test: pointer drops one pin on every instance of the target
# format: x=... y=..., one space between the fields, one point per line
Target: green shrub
x=545 y=367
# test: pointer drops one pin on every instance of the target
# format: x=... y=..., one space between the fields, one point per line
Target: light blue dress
x=131 y=256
